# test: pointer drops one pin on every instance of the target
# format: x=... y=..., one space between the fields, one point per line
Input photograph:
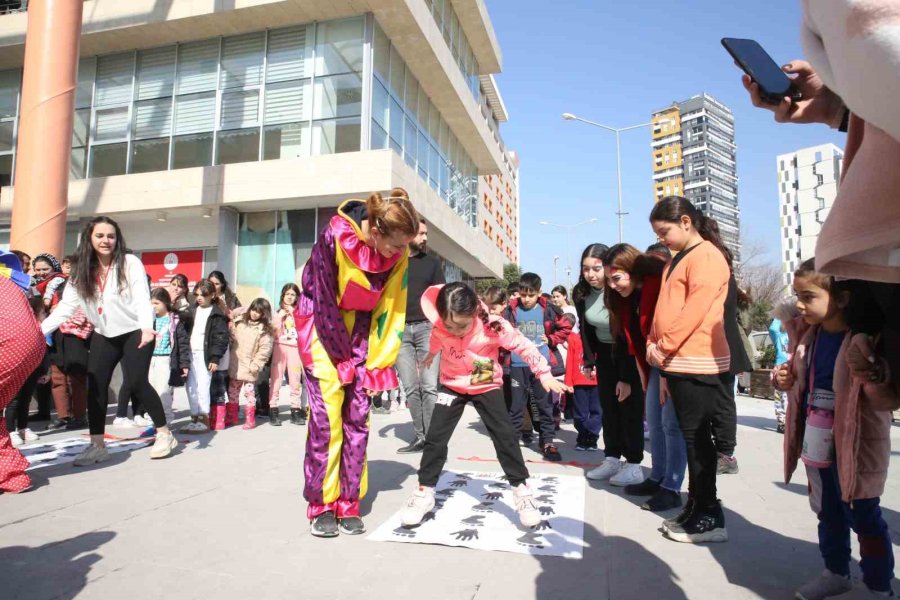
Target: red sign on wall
x=161 y=266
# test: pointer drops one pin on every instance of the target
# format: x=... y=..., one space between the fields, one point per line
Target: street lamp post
x=617 y=130
x=569 y=229
x=555 y=270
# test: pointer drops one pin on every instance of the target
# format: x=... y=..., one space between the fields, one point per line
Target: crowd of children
x=647 y=338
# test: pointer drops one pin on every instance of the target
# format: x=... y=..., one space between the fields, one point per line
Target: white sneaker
x=91 y=456
x=28 y=435
x=142 y=421
x=826 y=585
x=529 y=516
x=629 y=475
x=610 y=467
x=417 y=506
x=15 y=439
x=123 y=422
x=165 y=443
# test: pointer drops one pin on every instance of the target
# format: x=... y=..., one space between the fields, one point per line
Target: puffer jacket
x=251 y=348
x=862 y=419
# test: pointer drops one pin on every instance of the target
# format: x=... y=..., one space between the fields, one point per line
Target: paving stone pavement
x=225 y=518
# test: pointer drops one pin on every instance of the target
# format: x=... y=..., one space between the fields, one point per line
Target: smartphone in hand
x=773 y=83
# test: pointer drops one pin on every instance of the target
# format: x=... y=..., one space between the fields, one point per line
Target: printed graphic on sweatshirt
x=477 y=510
x=482 y=371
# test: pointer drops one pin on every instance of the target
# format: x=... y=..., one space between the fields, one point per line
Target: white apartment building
x=223 y=135
x=807 y=186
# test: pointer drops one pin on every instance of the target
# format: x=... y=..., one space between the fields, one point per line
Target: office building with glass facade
x=238 y=131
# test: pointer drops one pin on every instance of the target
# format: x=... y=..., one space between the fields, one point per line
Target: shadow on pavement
x=57 y=570
x=762 y=423
x=384 y=476
x=620 y=564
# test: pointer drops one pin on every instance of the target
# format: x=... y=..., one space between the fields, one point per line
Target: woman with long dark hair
x=687 y=343
x=110 y=286
x=634 y=280
x=621 y=399
x=217 y=278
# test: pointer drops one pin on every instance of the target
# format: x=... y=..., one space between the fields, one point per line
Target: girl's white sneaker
x=417 y=506
x=610 y=467
x=28 y=435
x=529 y=516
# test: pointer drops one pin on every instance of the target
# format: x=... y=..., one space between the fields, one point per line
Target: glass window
x=379 y=137
x=6 y=135
x=339 y=46
x=290 y=140
x=150 y=155
x=411 y=96
x=238 y=146
x=81 y=127
x=78 y=163
x=422 y=151
x=382 y=53
x=156 y=73
x=195 y=113
x=9 y=92
x=153 y=118
x=198 y=66
x=114 y=79
x=289 y=54
x=454 y=34
x=380 y=104
x=434 y=166
x=240 y=109
x=87 y=68
x=335 y=136
x=339 y=96
x=398 y=72
x=396 y=124
x=192 y=151
x=111 y=124
x=288 y=102
x=108 y=159
x=242 y=60
x=409 y=142
x=434 y=123
x=6 y=169
x=424 y=109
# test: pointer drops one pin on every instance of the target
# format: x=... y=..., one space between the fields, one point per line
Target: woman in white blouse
x=110 y=285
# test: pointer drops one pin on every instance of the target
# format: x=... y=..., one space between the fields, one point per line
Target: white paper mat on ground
x=477 y=510
x=64 y=451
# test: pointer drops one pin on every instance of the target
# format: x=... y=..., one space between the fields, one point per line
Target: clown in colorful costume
x=350 y=321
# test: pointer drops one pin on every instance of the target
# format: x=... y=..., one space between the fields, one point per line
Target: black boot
x=301 y=418
x=706 y=524
x=273 y=416
x=295 y=412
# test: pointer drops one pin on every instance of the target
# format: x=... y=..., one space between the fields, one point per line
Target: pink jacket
x=862 y=420
x=471 y=364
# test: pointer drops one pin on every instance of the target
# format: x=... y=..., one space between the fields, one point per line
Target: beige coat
x=251 y=348
x=862 y=420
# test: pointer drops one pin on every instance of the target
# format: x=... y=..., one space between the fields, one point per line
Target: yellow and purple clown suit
x=350 y=321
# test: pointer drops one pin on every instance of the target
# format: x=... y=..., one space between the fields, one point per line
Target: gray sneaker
x=826 y=585
x=727 y=465
x=91 y=456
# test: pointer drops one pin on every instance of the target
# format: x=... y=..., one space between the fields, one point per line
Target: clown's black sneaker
x=324 y=525
x=351 y=526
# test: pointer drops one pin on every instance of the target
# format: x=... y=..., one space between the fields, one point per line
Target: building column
x=44 y=146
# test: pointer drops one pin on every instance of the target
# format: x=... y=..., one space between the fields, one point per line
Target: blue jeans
x=586 y=410
x=666 y=440
x=419 y=384
x=837 y=518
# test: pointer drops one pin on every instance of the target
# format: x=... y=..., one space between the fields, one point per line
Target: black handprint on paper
x=547 y=488
x=544 y=498
x=466 y=476
x=458 y=483
x=553 y=480
x=405 y=532
x=546 y=510
x=445 y=492
x=466 y=535
x=474 y=521
x=429 y=516
x=483 y=507
x=504 y=477
x=542 y=526
x=531 y=540
x=492 y=496
x=498 y=486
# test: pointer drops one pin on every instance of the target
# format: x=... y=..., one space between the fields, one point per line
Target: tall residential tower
x=694 y=156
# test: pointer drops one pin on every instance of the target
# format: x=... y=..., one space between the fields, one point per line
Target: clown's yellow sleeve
x=386 y=335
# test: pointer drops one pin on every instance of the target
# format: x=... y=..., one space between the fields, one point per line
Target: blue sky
x=615 y=63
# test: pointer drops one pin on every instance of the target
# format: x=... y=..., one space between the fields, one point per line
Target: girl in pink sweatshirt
x=469 y=341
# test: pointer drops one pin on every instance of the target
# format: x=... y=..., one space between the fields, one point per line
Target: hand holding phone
x=819 y=104
x=773 y=84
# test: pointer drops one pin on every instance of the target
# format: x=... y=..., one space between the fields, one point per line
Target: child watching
x=251 y=348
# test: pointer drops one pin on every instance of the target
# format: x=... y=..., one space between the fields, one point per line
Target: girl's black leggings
x=105 y=354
